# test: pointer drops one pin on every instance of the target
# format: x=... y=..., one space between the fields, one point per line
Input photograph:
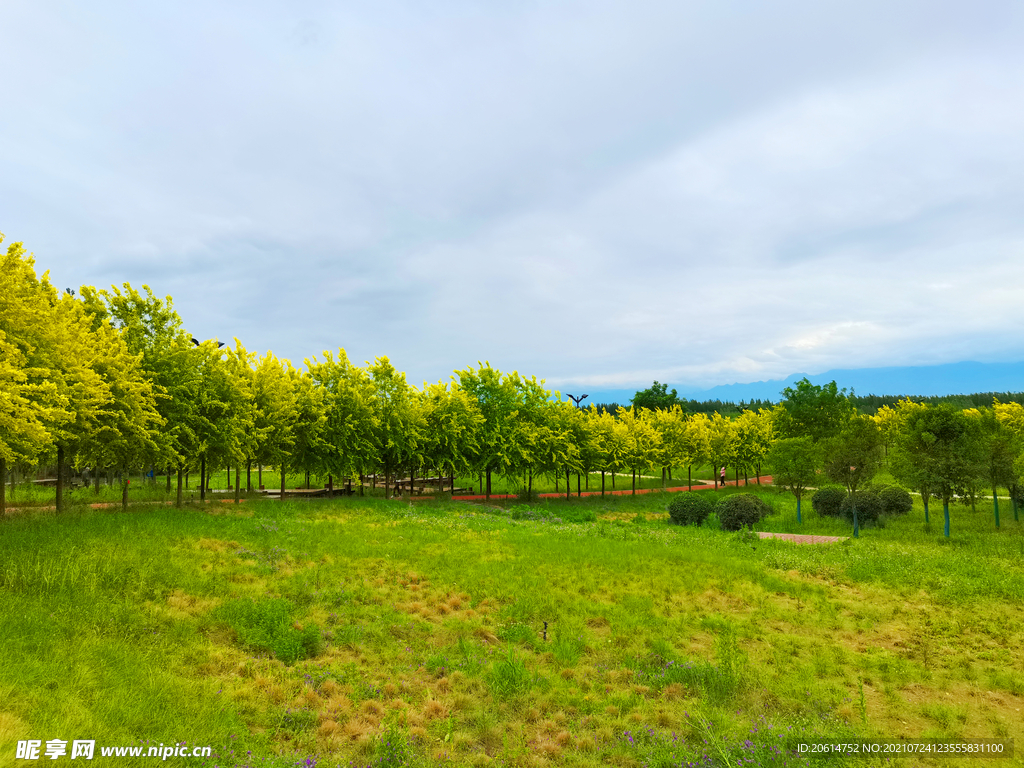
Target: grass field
x=361 y=631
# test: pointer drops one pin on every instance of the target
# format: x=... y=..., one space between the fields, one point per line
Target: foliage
x=895 y=500
x=868 y=504
x=741 y=510
x=817 y=412
x=690 y=508
x=828 y=501
x=656 y=397
x=853 y=456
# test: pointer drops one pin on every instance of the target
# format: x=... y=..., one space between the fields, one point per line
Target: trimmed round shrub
x=895 y=501
x=869 y=508
x=741 y=510
x=828 y=502
x=690 y=508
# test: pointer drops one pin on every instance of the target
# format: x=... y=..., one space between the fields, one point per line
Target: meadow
x=372 y=632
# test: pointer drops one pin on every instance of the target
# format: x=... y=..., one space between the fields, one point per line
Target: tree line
x=110 y=379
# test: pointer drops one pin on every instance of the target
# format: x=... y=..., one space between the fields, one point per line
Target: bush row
x=737 y=511
x=871 y=503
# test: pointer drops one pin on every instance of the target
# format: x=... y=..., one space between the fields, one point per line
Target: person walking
x=722 y=474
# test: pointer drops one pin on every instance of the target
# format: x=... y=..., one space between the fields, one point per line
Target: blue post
x=945 y=511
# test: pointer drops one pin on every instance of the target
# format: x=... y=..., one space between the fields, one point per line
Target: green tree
x=817 y=412
x=853 y=457
x=655 y=397
x=939 y=449
x=510 y=406
x=793 y=463
x=999 y=450
x=152 y=329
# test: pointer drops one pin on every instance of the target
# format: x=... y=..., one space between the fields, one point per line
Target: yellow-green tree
x=721 y=445
x=337 y=415
x=670 y=424
x=642 y=443
x=397 y=419
x=451 y=421
x=30 y=403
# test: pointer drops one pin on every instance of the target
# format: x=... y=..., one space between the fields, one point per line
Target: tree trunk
x=759 y=473
x=177 y=499
x=995 y=503
x=664 y=472
x=670 y=474
x=282 y=480
x=568 y=488
x=229 y=476
x=798 y=510
x=124 y=492
x=186 y=478
x=95 y=482
x=634 y=482
x=924 y=497
x=578 y=494
x=248 y=476
x=689 y=478
x=586 y=483
x=488 y=484
x=60 y=478
x=529 y=490
x=259 y=475
x=746 y=480
x=602 y=482
x=3 y=485
x=330 y=486
x=556 y=481
x=238 y=484
x=387 y=480
x=613 y=480
x=202 y=479
x=412 y=480
x=307 y=479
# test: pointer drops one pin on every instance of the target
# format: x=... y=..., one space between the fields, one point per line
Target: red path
x=765 y=480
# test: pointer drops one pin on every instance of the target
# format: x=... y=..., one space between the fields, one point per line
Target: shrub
x=741 y=510
x=869 y=508
x=895 y=501
x=690 y=508
x=827 y=502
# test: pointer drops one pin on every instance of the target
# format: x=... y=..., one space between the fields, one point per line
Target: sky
x=598 y=194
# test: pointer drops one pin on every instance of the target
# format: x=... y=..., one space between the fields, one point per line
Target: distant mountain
x=949 y=379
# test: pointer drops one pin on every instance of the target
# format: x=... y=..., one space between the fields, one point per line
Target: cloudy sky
x=595 y=193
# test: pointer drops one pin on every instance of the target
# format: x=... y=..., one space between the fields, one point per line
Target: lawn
x=362 y=631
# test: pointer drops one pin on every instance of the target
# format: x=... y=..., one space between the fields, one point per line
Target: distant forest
x=866 y=404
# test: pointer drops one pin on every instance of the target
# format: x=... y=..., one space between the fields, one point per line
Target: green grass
x=589 y=632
